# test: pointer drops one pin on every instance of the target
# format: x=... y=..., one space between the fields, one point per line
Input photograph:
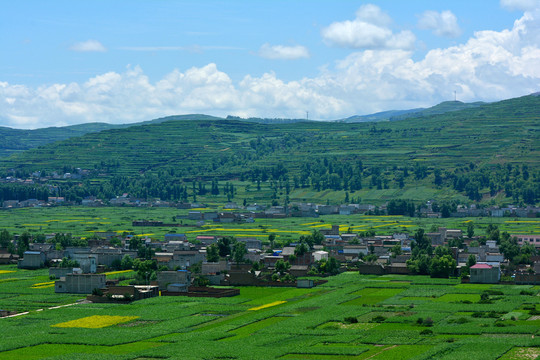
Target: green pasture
x=84 y=222
x=294 y=324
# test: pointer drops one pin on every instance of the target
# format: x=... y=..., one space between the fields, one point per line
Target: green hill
x=488 y=152
x=17 y=140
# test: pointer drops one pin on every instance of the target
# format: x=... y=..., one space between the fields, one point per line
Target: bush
x=419 y=321
x=378 y=319
x=461 y=320
x=97 y=292
x=526 y=292
x=426 y=332
x=428 y=322
x=350 y=320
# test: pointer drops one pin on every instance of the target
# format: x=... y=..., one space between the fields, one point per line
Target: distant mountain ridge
x=394 y=115
x=17 y=140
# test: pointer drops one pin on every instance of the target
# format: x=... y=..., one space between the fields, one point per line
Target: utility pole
x=307 y=115
x=455 y=96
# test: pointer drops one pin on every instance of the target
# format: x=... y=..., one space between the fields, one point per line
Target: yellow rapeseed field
x=118 y=272
x=267 y=305
x=95 y=322
x=6 y=271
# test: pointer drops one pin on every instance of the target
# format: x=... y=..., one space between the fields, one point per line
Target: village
x=190 y=265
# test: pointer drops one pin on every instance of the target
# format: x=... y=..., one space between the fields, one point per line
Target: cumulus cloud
x=491 y=65
x=370 y=30
x=88 y=46
x=283 y=52
x=442 y=24
x=523 y=5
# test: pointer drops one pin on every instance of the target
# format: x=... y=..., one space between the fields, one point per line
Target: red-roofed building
x=482 y=273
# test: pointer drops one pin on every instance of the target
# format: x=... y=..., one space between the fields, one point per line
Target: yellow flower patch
x=267 y=305
x=95 y=322
x=391 y=224
x=6 y=271
x=312 y=223
x=42 y=285
x=118 y=272
x=322 y=225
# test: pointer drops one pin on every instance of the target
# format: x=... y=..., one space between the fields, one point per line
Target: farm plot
x=350 y=317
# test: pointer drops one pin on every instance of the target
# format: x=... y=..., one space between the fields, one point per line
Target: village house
x=251 y=242
x=32 y=260
x=206 y=240
x=482 y=273
x=175 y=237
x=79 y=283
x=531 y=239
x=174 y=281
x=7 y=258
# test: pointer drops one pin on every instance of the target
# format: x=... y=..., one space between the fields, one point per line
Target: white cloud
x=283 y=52
x=523 y=5
x=443 y=23
x=370 y=30
x=491 y=65
x=88 y=46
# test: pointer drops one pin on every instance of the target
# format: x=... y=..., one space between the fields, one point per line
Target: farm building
x=174 y=281
x=32 y=260
x=79 y=283
x=485 y=274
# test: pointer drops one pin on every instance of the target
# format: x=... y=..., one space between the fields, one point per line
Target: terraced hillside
x=486 y=140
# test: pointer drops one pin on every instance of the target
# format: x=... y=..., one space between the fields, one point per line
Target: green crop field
x=396 y=317
x=84 y=222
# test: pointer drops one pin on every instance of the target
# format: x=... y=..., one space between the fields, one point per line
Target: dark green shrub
x=350 y=320
x=378 y=319
x=426 y=332
x=97 y=292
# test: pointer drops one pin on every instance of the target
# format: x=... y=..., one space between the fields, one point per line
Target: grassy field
x=397 y=317
x=83 y=221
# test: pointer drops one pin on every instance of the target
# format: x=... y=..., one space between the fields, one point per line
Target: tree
x=239 y=251
x=212 y=253
x=23 y=243
x=442 y=266
x=224 y=245
x=330 y=266
x=471 y=261
x=421 y=241
x=396 y=250
x=282 y=267
x=470 y=229
x=5 y=239
x=419 y=264
x=272 y=239
x=126 y=263
x=509 y=248
x=301 y=249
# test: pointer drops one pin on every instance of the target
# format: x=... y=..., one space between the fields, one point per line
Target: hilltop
x=483 y=153
x=18 y=140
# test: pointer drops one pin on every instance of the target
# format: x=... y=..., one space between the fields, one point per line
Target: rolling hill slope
x=454 y=143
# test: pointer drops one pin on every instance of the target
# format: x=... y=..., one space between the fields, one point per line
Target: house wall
x=79 y=283
x=164 y=278
x=485 y=276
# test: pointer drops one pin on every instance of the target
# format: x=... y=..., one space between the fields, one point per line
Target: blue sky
x=69 y=62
